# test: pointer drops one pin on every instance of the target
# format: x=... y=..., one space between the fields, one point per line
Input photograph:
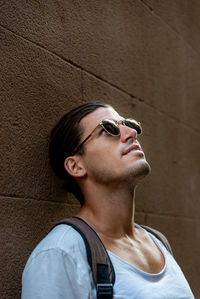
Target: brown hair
x=64 y=138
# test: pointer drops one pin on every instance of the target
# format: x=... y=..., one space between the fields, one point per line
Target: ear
x=74 y=166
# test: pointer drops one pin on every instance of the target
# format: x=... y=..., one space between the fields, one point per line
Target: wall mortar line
x=172 y=216
x=196 y=52
x=73 y=64
x=7 y=197
x=194 y=130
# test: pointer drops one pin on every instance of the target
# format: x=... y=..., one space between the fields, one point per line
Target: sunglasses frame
x=115 y=123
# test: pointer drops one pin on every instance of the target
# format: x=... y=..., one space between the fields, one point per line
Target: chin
x=144 y=169
x=140 y=170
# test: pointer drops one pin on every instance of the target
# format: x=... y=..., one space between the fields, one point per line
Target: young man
x=96 y=151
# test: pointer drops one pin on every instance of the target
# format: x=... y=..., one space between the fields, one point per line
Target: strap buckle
x=104 y=290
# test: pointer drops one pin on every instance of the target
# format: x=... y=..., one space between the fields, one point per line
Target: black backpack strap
x=98 y=258
x=159 y=236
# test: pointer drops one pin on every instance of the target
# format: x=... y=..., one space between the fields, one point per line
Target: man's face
x=110 y=159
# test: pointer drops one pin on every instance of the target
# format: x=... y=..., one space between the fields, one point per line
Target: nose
x=127 y=133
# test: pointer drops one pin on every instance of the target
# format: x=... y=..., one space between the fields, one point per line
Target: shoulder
x=61 y=240
x=59 y=262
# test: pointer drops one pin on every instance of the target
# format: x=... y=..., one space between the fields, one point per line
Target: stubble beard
x=138 y=172
x=131 y=177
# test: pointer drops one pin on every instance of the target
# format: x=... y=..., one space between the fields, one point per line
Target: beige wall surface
x=142 y=57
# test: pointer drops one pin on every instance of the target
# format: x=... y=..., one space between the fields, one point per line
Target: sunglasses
x=112 y=128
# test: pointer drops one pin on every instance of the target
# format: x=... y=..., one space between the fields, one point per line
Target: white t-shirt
x=58 y=269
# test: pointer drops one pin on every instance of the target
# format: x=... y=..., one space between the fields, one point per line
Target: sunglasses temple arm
x=79 y=146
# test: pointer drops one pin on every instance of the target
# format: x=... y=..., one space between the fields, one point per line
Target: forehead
x=91 y=120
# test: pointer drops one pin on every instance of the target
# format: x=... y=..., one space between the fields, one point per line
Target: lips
x=132 y=147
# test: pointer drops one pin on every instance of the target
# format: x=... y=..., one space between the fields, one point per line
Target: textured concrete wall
x=140 y=56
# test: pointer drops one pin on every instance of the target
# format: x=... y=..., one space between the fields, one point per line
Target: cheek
x=102 y=149
x=103 y=158
x=105 y=152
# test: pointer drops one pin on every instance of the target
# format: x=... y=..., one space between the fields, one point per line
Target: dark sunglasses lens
x=111 y=127
x=133 y=124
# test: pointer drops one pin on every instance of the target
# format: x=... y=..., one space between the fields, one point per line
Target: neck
x=109 y=211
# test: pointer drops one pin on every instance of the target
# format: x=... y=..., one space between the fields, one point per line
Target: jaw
x=119 y=172
x=135 y=173
x=129 y=178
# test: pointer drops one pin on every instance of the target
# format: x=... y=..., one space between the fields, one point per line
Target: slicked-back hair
x=64 y=138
